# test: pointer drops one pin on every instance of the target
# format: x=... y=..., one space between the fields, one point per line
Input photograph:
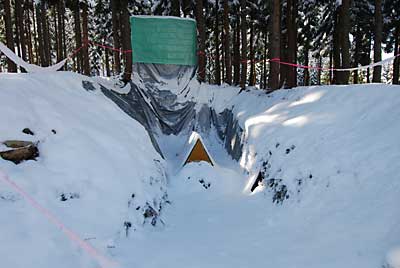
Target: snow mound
x=97 y=171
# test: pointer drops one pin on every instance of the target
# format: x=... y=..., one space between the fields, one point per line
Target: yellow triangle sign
x=198 y=153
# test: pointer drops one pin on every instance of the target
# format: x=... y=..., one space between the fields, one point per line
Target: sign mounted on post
x=164 y=40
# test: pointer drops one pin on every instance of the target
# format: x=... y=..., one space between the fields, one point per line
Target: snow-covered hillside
x=98 y=171
x=329 y=196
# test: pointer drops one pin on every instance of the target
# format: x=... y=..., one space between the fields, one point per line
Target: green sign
x=165 y=40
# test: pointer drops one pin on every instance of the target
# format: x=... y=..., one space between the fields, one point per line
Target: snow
x=393 y=258
x=97 y=159
x=335 y=149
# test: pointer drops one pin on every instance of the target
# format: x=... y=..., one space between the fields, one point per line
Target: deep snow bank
x=97 y=172
x=329 y=158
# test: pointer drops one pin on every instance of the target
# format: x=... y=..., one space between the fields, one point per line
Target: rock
x=22 y=150
x=28 y=131
x=88 y=86
x=17 y=144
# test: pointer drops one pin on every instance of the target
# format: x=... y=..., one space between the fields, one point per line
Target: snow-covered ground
x=330 y=157
x=86 y=173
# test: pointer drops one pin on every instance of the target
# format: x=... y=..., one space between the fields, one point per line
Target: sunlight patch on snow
x=248 y=158
x=259 y=121
x=298 y=121
x=393 y=258
x=312 y=97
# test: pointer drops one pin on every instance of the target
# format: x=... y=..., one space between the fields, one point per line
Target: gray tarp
x=159 y=111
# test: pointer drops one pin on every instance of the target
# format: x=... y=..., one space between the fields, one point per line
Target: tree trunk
x=41 y=53
x=17 y=36
x=126 y=40
x=358 y=40
x=227 y=44
x=217 y=69
x=186 y=8
x=46 y=34
x=11 y=67
x=19 y=12
x=291 y=14
x=306 y=63
x=35 y=34
x=175 y=8
x=85 y=35
x=336 y=50
x=116 y=37
x=331 y=66
x=378 y=41
x=55 y=15
x=107 y=62
x=223 y=57
x=283 y=69
x=28 y=33
x=369 y=59
x=252 y=55
x=243 y=33
x=345 y=40
x=202 y=40
x=320 y=66
x=236 y=51
x=78 y=36
x=265 y=60
x=60 y=30
x=63 y=32
x=396 y=63
x=273 y=81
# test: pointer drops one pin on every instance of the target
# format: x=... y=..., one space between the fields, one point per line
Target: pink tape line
x=103 y=261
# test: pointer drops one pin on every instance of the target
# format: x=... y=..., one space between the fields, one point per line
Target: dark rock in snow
x=64 y=197
x=28 y=131
x=21 y=151
x=88 y=86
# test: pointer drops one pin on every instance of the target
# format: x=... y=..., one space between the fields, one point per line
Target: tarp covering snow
x=165 y=40
x=165 y=100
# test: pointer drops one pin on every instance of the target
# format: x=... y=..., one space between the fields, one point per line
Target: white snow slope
x=334 y=149
x=97 y=159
